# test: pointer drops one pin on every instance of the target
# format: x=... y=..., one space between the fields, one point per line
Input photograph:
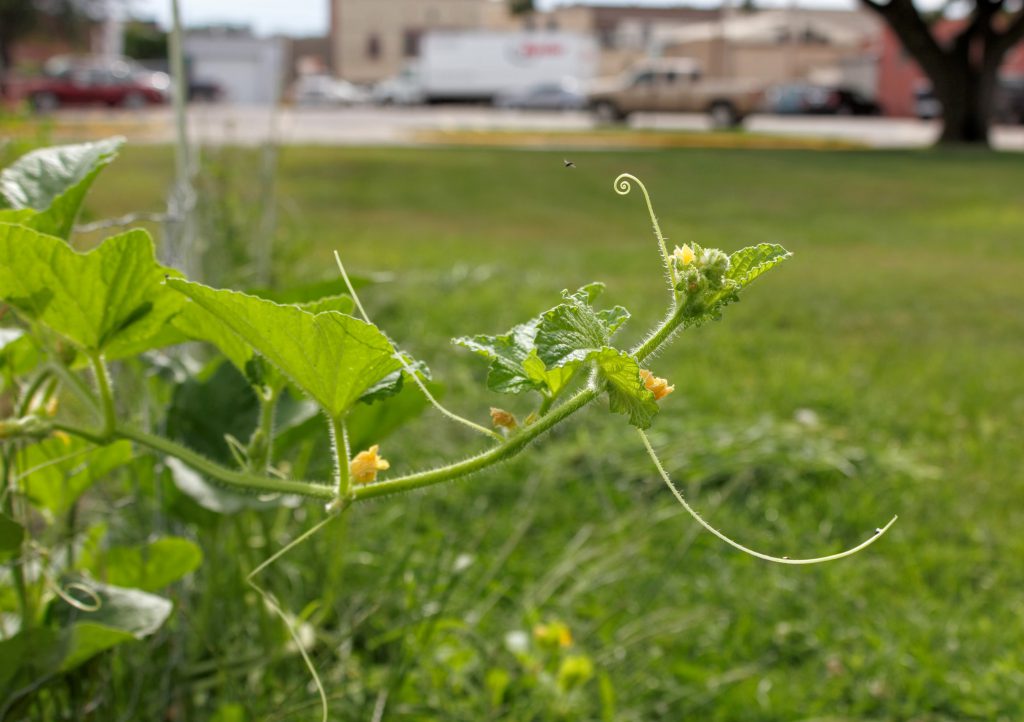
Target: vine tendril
x=767 y=557
x=271 y=602
x=92 y=605
x=409 y=369
x=623 y=185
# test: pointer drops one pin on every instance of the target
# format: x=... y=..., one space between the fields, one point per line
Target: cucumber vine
x=75 y=313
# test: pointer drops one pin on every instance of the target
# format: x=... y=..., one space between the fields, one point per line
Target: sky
x=310 y=17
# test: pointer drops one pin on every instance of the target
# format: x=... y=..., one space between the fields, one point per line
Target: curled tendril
x=92 y=605
x=767 y=557
x=623 y=185
x=400 y=357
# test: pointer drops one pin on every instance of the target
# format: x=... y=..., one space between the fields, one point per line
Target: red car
x=95 y=82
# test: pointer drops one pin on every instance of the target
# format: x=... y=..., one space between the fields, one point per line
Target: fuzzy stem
x=515 y=444
x=240 y=479
x=99 y=367
x=622 y=186
x=658 y=337
x=33 y=388
x=262 y=440
x=339 y=445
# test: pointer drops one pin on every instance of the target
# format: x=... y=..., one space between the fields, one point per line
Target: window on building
x=552 y=25
x=411 y=43
x=373 y=47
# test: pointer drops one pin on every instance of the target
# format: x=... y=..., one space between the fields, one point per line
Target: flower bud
x=503 y=420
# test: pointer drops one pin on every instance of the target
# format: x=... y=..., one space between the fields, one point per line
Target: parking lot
x=247 y=125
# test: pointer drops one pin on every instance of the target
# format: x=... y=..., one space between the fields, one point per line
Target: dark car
x=811 y=99
x=87 y=81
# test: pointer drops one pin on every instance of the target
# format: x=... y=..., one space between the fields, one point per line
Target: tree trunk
x=966 y=94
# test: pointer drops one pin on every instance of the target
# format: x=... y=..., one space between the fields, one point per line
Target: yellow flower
x=364 y=467
x=553 y=635
x=684 y=256
x=503 y=419
x=657 y=386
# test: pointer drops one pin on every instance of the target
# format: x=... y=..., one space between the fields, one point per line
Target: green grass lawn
x=878 y=372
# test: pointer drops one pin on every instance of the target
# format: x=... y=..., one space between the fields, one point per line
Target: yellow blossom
x=684 y=256
x=364 y=467
x=553 y=635
x=503 y=419
x=657 y=386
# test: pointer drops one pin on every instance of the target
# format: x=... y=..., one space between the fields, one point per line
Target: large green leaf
x=197 y=323
x=110 y=297
x=149 y=567
x=53 y=182
x=333 y=357
x=626 y=391
x=60 y=469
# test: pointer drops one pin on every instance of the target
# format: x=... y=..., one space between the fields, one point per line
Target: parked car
x=403 y=89
x=94 y=81
x=204 y=91
x=565 y=95
x=812 y=99
x=675 y=85
x=327 y=90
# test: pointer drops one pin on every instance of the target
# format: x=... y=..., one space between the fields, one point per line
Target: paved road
x=409 y=126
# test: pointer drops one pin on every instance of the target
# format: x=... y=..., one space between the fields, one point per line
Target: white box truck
x=480 y=65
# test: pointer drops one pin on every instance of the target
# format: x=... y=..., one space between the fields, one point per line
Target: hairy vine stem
x=623 y=185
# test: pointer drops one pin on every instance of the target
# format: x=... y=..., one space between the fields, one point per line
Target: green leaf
x=554 y=380
x=128 y=610
x=626 y=391
x=332 y=357
x=544 y=353
x=507 y=354
x=206 y=407
x=571 y=331
x=11 y=535
x=149 y=567
x=748 y=263
x=61 y=469
x=53 y=183
x=111 y=296
x=85 y=640
x=395 y=381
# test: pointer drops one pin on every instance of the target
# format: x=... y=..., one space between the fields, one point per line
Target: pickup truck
x=675 y=86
